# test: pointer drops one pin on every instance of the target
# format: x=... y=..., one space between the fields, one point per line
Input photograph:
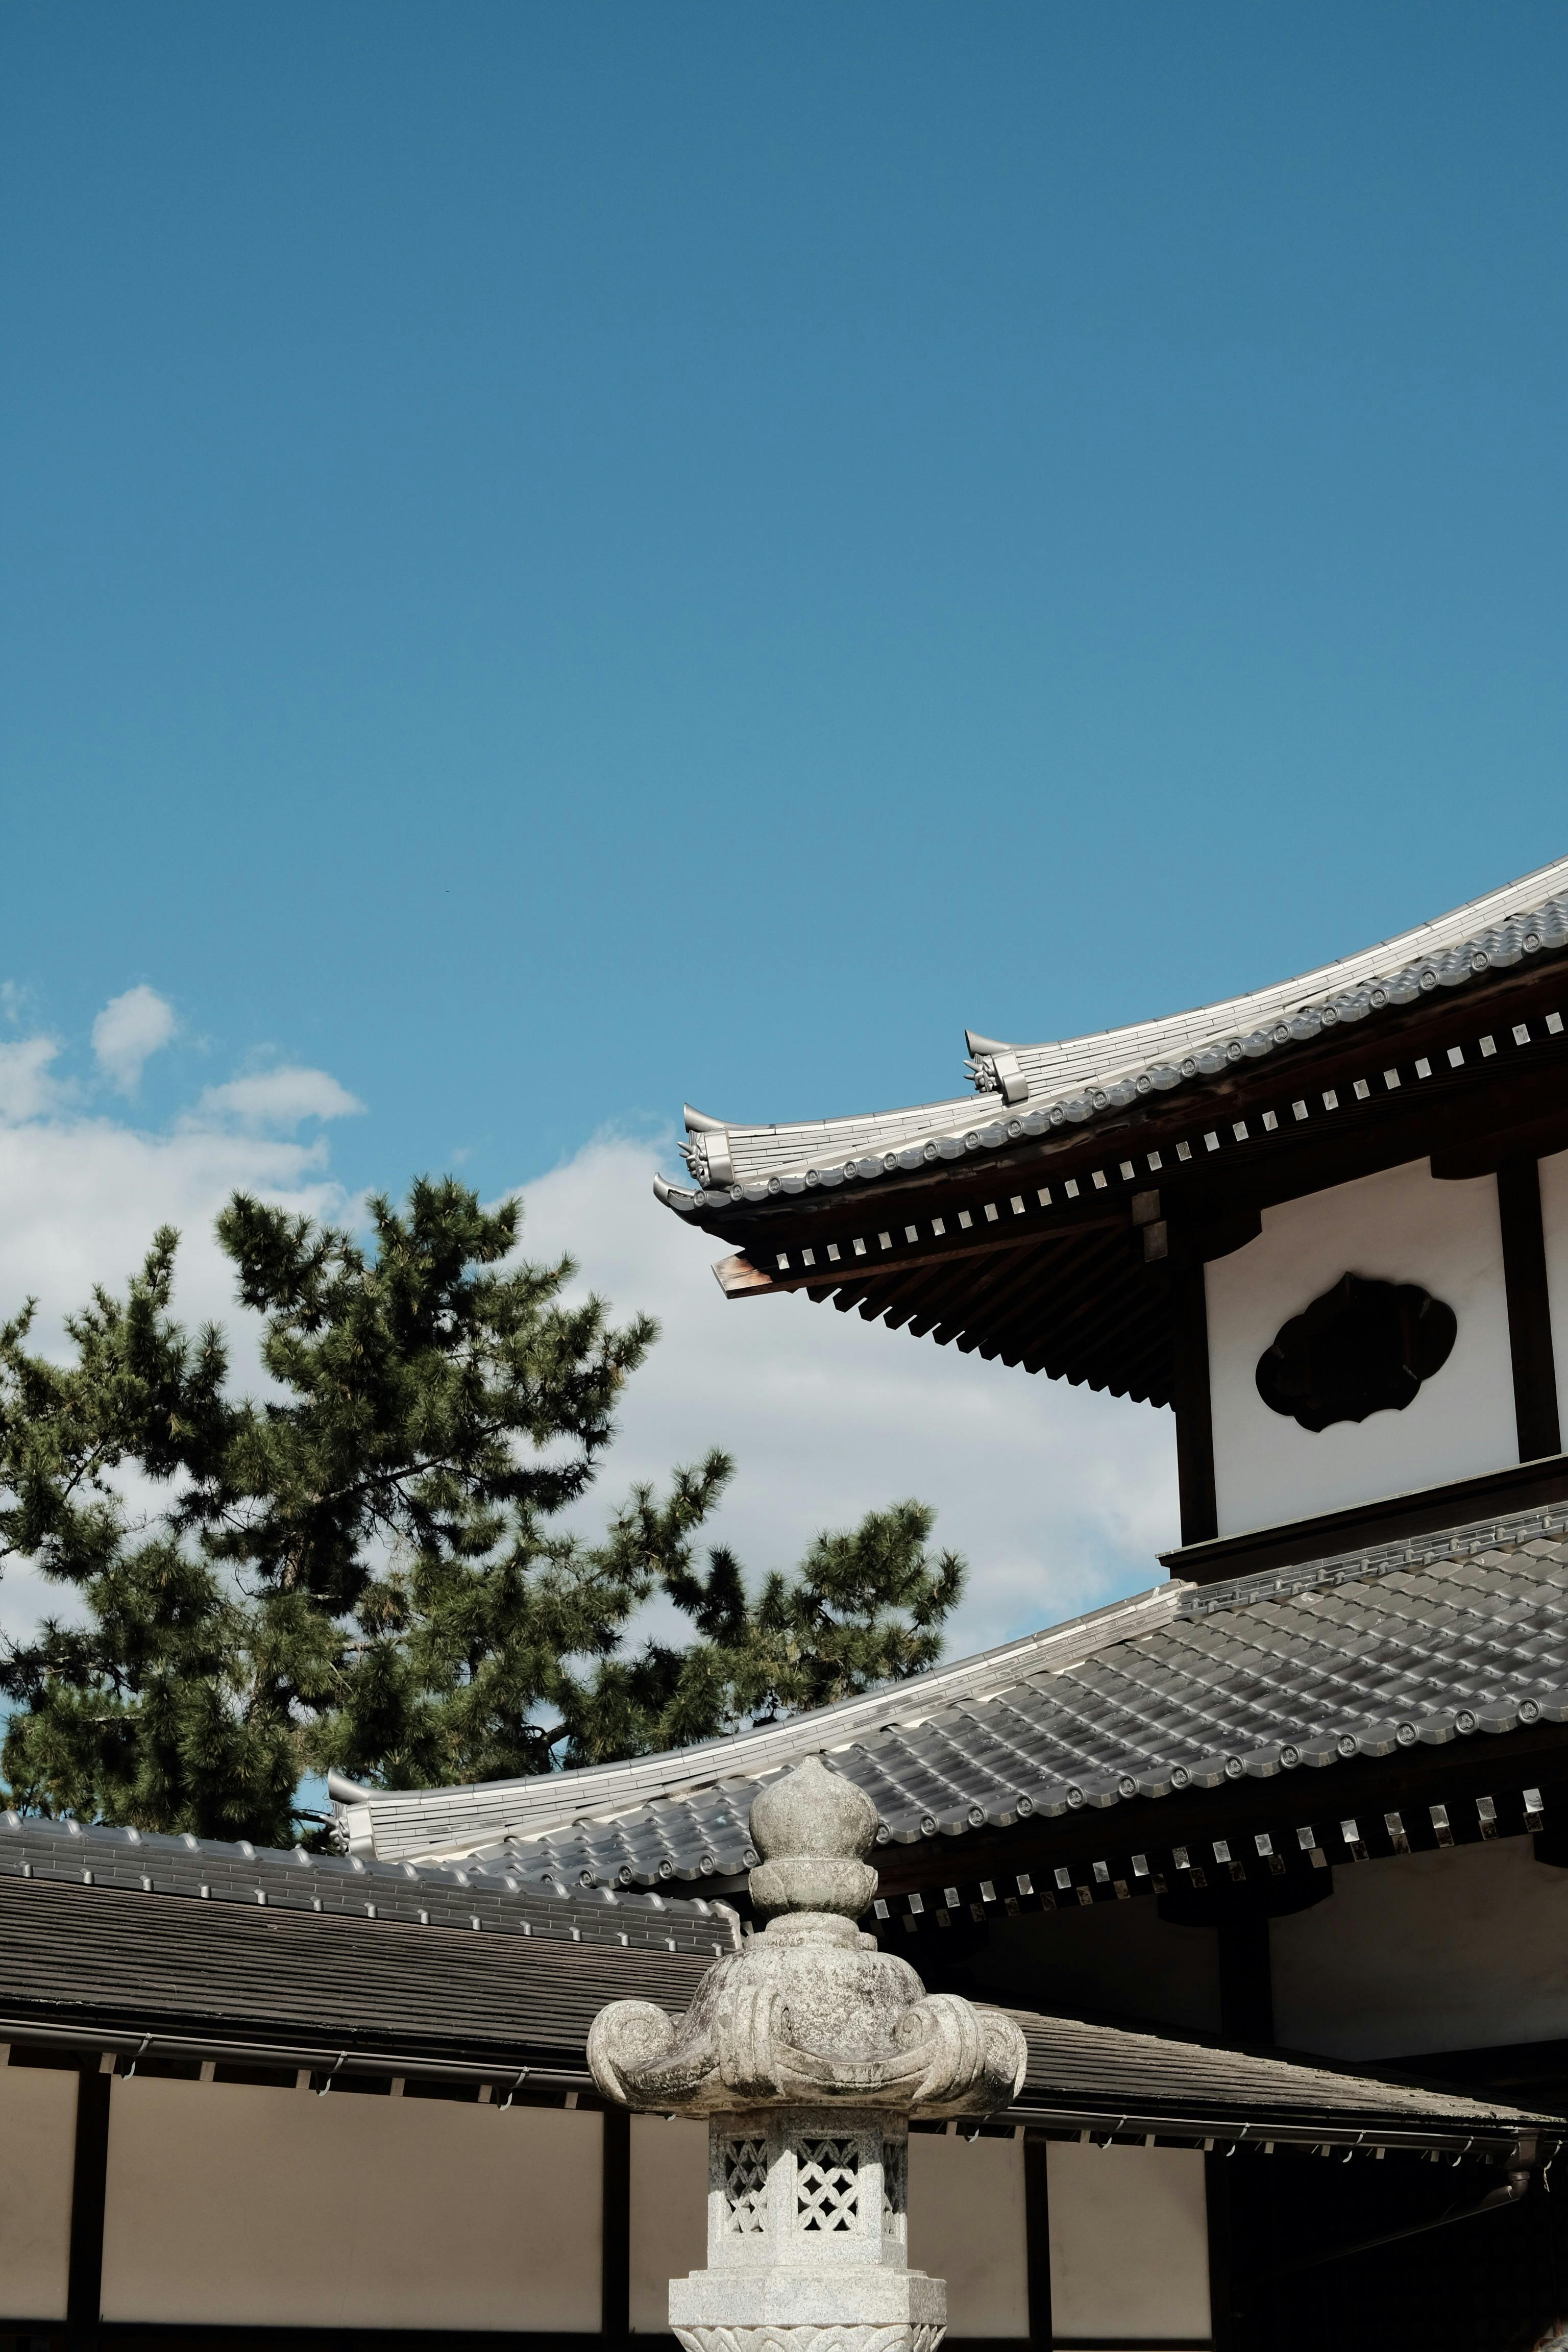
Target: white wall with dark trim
x=1401 y=1226
x=240 y=2205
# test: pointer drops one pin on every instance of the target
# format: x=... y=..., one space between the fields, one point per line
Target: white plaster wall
x=1130 y=2253
x=1554 y=1220
x=966 y=2225
x=669 y=2214
x=37 y=2151
x=266 y=2208
x=1399 y=1226
x=1461 y=1949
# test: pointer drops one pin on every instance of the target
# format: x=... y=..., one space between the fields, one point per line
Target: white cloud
x=80 y=1199
x=278 y=1099
x=129 y=1029
x=1059 y=1499
x=27 y=1088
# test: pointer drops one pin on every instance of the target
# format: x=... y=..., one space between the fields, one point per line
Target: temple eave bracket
x=737 y=1278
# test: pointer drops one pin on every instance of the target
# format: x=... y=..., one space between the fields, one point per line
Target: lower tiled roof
x=1088 y=2074
x=172 y=1975
x=156 y=1978
x=427 y=1822
x=439 y=1895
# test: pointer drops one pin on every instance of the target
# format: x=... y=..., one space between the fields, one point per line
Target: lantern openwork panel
x=807 y=2184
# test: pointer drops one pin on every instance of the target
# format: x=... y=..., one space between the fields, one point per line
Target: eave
x=1039 y=1089
x=1054 y=1252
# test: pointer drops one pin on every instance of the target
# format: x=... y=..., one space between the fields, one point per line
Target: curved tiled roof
x=395 y=1822
x=1418 y=1642
x=1041 y=1087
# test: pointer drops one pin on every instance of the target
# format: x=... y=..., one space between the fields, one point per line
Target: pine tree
x=368 y=1566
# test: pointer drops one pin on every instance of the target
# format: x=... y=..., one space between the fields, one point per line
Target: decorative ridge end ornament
x=995 y=1069
x=808 y=2051
x=707 y=1154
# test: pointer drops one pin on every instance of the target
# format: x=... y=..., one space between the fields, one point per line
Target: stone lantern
x=808 y=2051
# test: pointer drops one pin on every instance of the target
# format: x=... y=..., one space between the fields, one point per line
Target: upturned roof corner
x=1075 y=1082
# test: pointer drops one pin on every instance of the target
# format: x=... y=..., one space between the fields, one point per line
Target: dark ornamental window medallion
x=1361 y=1348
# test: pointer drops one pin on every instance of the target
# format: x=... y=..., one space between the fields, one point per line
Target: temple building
x=1268 y=1862
x=1309 y=1791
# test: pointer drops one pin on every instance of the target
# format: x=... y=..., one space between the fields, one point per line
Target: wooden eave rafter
x=1366 y=1791
x=1039 y=1252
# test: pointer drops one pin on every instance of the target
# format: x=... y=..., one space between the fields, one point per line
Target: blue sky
x=561 y=558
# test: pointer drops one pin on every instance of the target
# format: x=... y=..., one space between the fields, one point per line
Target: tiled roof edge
x=482 y=1812
x=439 y=1895
x=1372 y=1560
x=736 y=1161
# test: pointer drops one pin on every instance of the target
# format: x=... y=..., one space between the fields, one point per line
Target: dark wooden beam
x=853 y=1294
x=1535 y=1404
x=1061 y=1292
x=1076 y=1295
x=1147 y=1323
x=1521 y=1486
x=939 y=1306
x=890 y=1296
x=1537 y=1135
x=1124 y=1308
x=1009 y=1288
x=941 y=1282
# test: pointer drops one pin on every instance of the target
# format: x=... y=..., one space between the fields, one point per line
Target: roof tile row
x=1076 y=1081
x=1409 y=1646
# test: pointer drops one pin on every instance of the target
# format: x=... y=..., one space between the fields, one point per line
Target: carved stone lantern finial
x=808 y=2051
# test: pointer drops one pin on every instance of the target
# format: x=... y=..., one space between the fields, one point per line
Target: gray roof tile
x=1355 y=1655
x=517 y=1896
x=157 y=1978
x=1075 y=1079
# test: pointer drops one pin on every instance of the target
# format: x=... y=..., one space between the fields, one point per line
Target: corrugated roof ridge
x=1453 y=929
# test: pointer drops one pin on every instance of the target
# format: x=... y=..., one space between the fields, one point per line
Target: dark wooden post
x=1535 y=1405
x=1217 y=2170
x=90 y=2186
x=616 y=2282
x=1195 y=1413
x=1037 y=2241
